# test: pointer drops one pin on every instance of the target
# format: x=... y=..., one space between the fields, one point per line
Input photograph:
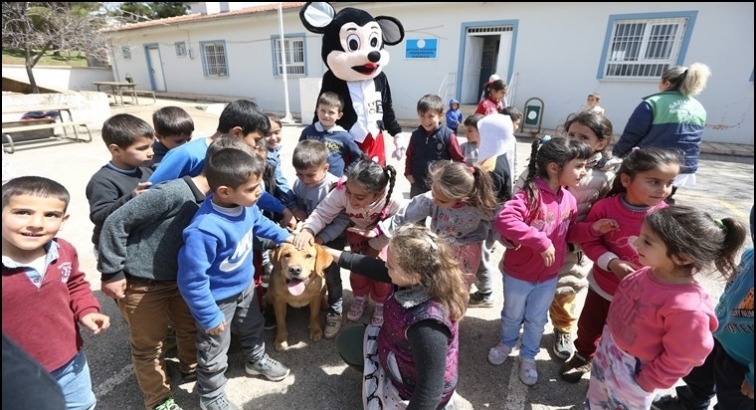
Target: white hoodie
x=496 y=138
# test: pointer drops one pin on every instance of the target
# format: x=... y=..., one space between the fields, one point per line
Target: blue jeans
x=529 y=303
x=76 y=384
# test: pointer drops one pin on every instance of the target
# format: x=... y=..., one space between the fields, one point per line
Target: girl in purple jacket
x=539 y=221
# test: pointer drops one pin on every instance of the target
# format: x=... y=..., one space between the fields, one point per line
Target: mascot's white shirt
x=367 y=105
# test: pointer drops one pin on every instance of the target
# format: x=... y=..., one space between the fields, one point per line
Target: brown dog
x=298 y=279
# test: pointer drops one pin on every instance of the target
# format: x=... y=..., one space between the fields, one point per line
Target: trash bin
x=533 y=116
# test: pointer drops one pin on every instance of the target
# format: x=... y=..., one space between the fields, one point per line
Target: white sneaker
x=357 y=309
x=377 y=319
x=528 y=371
x=333 y=325
x=498 y=354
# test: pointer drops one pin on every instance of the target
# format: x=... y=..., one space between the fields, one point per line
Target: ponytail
x=687 y=81
x=390 y=173
x=529 y=187
x=734 y=236
x=482 y=195
x=458 y=181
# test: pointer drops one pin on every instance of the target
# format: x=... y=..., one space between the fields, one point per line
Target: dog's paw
x=316 y=334
x=280 y=345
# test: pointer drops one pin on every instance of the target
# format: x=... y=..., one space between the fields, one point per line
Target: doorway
x=486 y=50
x=155 y=67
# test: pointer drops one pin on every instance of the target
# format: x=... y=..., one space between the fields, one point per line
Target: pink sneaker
x=377 y=315
x=357 y=309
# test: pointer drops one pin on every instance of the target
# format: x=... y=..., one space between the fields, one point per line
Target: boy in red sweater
x=42 y=271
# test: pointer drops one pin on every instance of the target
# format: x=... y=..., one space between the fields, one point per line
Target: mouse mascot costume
x=353 y=50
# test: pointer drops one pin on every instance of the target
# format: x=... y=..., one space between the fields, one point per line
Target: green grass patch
x=16 y=56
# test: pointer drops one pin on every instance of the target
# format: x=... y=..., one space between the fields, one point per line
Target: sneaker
x=377 y=319
x=498 y=354
x=574 y=369
x=333 y=325
x=480 y=300
x=188 y=377
x=270 y=319
x=357 y=309
x=563 y=347
x=272 y=369
x=167 y=404
x=217 y=403
x=528 y=371
x=669 y=402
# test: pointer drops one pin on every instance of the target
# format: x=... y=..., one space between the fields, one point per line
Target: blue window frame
x=639 y=46
x=295 y=48
x=214 y=58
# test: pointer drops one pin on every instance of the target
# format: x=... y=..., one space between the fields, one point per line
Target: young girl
x=661 y=320
x=460 y=205
x=539 y=221
x=366 y=202
x=495 y=92
x=470 y=147
x=411 y=362
x=643 y=182
x=596 y=131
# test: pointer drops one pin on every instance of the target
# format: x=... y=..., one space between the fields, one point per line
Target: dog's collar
x=411 y=297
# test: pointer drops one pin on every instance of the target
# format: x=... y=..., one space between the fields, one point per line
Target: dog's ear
x=275 y=257
x=323 y=259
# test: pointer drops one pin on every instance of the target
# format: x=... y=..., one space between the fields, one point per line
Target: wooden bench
x=18 y=127
x=148 y=93
x=133 y=94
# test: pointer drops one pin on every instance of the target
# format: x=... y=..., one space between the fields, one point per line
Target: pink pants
x=469 y=257
x=361 y=285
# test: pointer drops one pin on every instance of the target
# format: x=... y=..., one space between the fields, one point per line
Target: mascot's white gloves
x=401 y=147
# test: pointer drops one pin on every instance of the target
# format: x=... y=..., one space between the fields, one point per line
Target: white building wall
x=557 y=51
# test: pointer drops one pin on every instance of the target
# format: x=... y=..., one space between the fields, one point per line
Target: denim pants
x=526 y=305
x=244 y=318
x=76 y=383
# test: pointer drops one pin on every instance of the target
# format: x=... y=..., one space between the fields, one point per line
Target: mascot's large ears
x=317 y=16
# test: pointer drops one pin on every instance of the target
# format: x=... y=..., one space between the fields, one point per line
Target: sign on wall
x=421 y=48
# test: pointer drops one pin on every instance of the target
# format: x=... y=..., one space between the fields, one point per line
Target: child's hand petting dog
x=303 y=238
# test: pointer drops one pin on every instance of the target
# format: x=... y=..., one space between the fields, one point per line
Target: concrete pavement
x=319 y=378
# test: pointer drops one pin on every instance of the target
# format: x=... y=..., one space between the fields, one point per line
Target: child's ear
x=603 y=144
x=237 y=132
x=341 y=114
x=552 y=168
x=63 y=222
x=625 y=180
x=327 y=166
x=681 y=260
x=223 y=191
x=114 y=149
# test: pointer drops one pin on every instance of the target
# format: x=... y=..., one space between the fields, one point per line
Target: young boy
x=129 y=140
x=242 y=119
x=592 y=104
x=45 y=295
x=470 y=147
x=215 y=274
x=454 y=115
x=342 y=150
x=140 y=246
x=313 y=184
x=515 y=115
x=173 y=127
x=430 y=142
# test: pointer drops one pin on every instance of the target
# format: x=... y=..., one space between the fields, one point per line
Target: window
x=644 y=47
x=214 y=61
x=126 y=52
x=294 y=48
x=180 y=49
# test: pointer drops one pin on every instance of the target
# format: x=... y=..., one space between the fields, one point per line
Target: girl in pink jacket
x=366 y=198
x=539 y=221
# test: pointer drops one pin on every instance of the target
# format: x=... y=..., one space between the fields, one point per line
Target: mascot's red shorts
x=374 y=148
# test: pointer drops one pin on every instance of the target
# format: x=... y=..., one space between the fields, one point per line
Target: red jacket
x=44 y=320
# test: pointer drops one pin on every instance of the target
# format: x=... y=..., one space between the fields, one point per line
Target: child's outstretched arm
x=327 y=210
x=84 y=305
x=362 y=264
x=595 y=247
x=265 y=228
x=415 y=210
x=194 y=260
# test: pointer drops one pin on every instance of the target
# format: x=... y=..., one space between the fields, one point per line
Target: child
x=173 y=127
x=496 y=157
x=45 y=295
x=469 y=148
x=145 y=285
x=242 y=119
x=539 y=221
x=365 y=199
x=129 y=140
x=460 y=204
x=515 y=115
x=273 y=157
x=661 y=319
x=313 y=184
x=215 y=274
x=453 y=115
x=728 y=370
x=493 y=103
x=342 y=150
x=431 y=141
x=596 y=132
x=642 y=183
x=411 y=362
x=592 y=104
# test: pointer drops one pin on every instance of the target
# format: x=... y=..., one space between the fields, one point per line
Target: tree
x=36 y=27
x=153 y=10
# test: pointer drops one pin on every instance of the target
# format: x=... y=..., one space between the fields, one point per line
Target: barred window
x=214 y=61
x=126 y=52
x=295 y=56
x=180 y=49
x=644 y=48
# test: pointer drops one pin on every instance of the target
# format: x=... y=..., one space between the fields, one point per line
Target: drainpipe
x=287 y=118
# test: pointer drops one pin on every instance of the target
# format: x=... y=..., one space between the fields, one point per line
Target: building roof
x=192 y=18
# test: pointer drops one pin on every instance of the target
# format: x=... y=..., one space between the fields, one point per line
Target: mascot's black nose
x=374 y=56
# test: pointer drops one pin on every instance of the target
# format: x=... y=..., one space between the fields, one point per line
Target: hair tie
x=471 y=169
x=429 y=240
x=719 y=223
x=545 y=139
x=635 y=149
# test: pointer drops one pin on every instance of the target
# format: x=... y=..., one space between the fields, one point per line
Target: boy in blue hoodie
x=728 y=370
x=454 y=115
x=215 y=274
